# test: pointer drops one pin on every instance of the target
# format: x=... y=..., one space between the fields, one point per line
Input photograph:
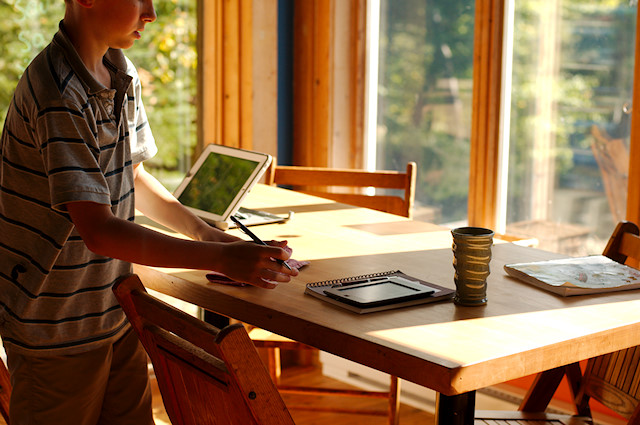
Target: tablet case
x=218 y=182
x=316 y=289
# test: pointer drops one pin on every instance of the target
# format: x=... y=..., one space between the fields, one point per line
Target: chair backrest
x=205 y=375
x=612 y=157
x=613 y=379
x=322 y=182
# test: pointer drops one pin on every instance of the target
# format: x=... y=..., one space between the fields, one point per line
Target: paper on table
x=574 y=276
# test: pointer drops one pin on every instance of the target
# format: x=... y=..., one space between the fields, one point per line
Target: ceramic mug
x=471 y=258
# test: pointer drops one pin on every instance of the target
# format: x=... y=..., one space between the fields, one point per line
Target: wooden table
x=451 y=349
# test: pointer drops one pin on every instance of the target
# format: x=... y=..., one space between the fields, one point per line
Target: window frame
x=227 y=75
x=485 y=137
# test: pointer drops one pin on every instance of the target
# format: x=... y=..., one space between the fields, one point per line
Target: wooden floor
x=313 y=376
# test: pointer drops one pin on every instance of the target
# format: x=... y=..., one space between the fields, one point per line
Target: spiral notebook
x=317 y=289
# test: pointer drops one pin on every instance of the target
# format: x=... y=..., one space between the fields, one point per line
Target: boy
x=72 y=150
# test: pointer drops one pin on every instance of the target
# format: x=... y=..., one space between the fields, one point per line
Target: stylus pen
x=255 y=238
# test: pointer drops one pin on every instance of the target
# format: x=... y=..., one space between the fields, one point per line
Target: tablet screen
x=219 y=180
x=380 y=292
x=377 y=291
x=216 y=183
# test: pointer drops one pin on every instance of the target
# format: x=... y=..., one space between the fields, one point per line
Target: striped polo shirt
x=66 y=138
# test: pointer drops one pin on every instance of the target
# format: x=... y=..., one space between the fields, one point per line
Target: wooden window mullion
x=485 y=121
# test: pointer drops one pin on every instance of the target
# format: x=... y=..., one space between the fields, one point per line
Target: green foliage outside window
x=593 y=81
x=424 y=115
x=166 y=59
x=425 y=86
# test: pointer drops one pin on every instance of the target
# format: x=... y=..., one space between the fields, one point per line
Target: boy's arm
x=157 y=203
x=107 y=235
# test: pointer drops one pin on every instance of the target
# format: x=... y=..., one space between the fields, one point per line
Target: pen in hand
x=256 y=239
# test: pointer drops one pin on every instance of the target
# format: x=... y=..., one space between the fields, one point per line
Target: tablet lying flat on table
x=379 y=291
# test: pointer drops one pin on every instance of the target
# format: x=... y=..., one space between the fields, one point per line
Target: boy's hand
x=254 y=264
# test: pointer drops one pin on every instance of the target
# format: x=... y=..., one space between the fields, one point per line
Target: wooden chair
x=5 y=392
x=323 y=182
x=205 y=375
x=612 y=379
x=612 y=157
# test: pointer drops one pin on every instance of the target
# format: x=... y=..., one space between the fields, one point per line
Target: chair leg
x=580 y=399
x=273 y=360
x=542 y=390
x=5 y=391
x=394 y=400
x=635 y=416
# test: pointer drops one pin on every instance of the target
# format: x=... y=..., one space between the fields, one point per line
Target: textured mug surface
x=471 y=258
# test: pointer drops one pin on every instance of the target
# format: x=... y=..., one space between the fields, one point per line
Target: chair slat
x=308 y=176
x=630 y=245
x=634 y=383
x=331 y=183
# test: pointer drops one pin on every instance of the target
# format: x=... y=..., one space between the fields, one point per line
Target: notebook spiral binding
x=340 y=282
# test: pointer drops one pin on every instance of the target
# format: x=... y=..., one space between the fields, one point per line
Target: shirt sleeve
x=143 y=144
x=70 y=153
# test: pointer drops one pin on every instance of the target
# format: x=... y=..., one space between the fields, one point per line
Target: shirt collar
x=113 y=58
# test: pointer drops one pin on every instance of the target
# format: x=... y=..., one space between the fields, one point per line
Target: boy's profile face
x=122 y=21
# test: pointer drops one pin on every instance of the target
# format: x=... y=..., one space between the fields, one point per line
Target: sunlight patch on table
x=466 y=342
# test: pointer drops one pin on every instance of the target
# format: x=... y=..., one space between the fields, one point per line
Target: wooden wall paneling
x=302 y=80
x=323 y=81
x=312 y=82
x=348 y=54
x=218 y=83
x=226 y=72
x=485 y=121
x=231 y=71
x=358 y=53
x=265 y=76
x=207 y=74
x=342 y=75
x=329 y=83
x=245 y=83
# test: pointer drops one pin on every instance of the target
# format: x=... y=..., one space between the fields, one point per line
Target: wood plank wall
x=329 y=75
x=237 y=50
x=312 y=82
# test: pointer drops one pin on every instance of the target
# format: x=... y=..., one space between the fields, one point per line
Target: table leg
x=456 y=410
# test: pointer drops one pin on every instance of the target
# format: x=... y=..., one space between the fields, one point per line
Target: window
x=24 y=31
x=166 y=59
x=567 y=81
x=571 y=79
x=424 y=100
